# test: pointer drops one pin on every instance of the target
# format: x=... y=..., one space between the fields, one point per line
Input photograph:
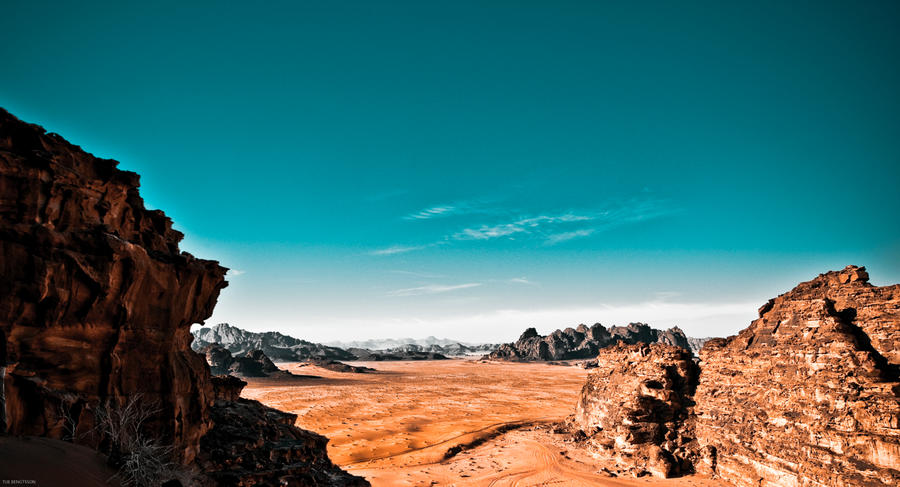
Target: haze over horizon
x=469 y=169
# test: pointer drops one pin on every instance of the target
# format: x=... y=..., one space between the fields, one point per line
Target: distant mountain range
x=429 y=344
x=284 y=348
x=585 y=342
x=276 y=346
x=570 y=343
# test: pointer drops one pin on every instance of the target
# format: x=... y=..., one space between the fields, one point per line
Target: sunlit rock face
x=96 y=300
x=809 y=393
x=635 y=407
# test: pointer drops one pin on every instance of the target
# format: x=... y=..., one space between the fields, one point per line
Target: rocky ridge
x=276 y=346
x=807 y=395
x=284 y=348
x=96 y=304
x=583 y=342
x=429 y=344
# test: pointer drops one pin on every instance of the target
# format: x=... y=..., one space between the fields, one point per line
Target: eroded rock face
x=635 y=406
x=583 y=342
x=809 y=393
x=96 y=299
x=96 y=304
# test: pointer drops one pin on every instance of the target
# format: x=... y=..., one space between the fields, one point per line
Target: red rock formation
x=96 y=301
x=809 y=393
x=96 y=304
x=634 y=408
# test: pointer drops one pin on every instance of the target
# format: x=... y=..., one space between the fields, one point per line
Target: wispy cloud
x=552 y=228
x=434 y=211
x=555 y=238
x=398 y=249
x=235 y=272
x=522 y=225
x=432 y=289
x=521 y=280
x=462 y=207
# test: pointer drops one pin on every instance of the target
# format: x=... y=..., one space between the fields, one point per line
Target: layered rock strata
x=809 y=393
x=635 y=406
x=583 y=342
x=96 y=304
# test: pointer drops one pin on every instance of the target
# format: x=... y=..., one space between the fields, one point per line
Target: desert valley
x=450 y=244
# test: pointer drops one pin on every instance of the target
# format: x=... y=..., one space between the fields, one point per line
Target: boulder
x=635 y=406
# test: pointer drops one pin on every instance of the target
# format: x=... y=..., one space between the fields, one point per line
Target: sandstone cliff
x=808 y=395
x=583 y=342
x=96 y=300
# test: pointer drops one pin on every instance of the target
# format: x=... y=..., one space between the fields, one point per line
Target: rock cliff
x=583 y=342
x=96 y=300
x=807 y=395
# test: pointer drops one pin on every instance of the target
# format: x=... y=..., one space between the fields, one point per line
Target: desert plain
x=460 y=422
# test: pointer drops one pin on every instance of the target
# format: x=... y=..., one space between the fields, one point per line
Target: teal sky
x=467 y=169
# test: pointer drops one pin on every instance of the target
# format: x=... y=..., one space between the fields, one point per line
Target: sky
x=467 y=169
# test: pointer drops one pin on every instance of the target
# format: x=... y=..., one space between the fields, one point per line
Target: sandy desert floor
x=446 y=422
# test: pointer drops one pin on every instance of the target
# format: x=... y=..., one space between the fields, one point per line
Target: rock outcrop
x=379 y=356
x=96 y=304
x=335 y=366
x=251 y=364
x=275 y=345
x=809 y=393
x=583 y=342
x=635 y=406
x=252 y=444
